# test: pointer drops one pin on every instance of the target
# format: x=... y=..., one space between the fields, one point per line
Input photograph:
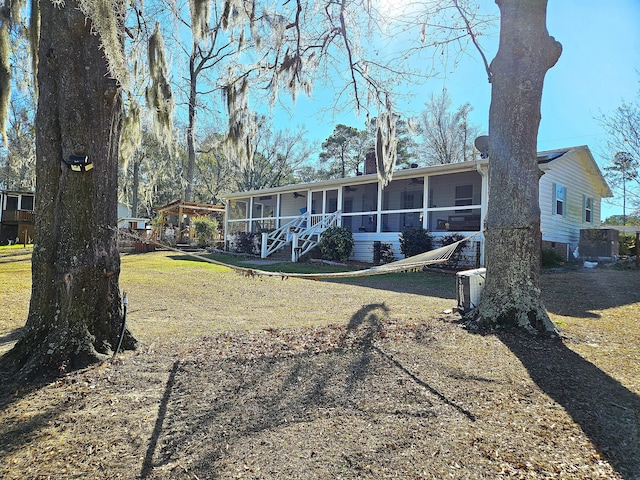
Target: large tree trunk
x=511 y=297
x=75 y=313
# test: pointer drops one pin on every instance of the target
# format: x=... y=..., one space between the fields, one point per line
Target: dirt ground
x=368 y=378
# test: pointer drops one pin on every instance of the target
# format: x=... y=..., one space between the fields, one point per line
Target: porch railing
x=21 y=216
x=310 y=237
x=304 y=230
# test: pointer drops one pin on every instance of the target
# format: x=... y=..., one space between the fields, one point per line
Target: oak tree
x=526 y=52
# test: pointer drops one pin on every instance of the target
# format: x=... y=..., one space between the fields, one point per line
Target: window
x=12 y=203
x=27 y=202
x=464 y=195
x=588 y=209
x=559 y=200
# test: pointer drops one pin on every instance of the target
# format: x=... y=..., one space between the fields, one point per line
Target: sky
x=599 y=69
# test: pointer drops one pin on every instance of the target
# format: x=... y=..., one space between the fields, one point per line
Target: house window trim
x=588 y=204
x=562 y=200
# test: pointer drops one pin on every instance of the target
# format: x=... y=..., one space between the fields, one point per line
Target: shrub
x=626 y=244
x=336 y=243
x=551 y=258
x=386 y=253
x=456 y=257
x=382 y=253
x=246 y=242
x=206 y=230
x=414 y=241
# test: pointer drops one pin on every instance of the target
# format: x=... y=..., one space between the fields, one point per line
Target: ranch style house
x=444 y=199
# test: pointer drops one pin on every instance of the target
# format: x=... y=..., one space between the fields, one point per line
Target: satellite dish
x=482 y=145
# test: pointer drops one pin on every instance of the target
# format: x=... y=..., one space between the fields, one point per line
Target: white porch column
x=484 y=193
x=484 y=201
x=425 y=203
x=294 y=247
x=263 y=245
x=250 y=214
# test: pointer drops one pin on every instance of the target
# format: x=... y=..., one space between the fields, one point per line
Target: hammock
x=409 y=264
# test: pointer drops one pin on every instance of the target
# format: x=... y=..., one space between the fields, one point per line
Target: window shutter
x=553 y=199
x=584 y=208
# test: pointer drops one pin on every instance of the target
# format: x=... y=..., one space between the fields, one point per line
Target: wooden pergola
x=182 y=210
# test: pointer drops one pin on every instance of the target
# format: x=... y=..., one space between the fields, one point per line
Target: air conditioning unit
x=469 y=286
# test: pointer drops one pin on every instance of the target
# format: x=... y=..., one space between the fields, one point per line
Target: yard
x=263 y=378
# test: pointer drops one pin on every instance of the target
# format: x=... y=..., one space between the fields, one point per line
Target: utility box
x=469 y=286
x=598 y=244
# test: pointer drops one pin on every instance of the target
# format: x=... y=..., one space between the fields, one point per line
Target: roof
x=372 y=177
x=189 y=208
x=583 y=154
x=545 y=160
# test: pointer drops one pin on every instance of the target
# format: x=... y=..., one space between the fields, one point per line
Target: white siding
x=575 y=172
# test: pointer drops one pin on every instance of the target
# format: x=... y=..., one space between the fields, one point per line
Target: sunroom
x=444 y=199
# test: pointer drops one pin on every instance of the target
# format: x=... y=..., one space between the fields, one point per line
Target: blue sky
x=598 y=69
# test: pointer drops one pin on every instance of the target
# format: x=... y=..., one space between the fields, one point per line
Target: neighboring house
x=444 y=199
x=127 y=221
x=17 y=219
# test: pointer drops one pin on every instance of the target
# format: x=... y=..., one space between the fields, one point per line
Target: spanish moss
x=5 y=79
x=158 y=95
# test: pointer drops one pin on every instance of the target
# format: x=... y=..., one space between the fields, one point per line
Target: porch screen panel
x=264 y=206
x=360 y=198
x=332 y=201
x=238 y=226
x=316 y=203
x=403 y=194
x=263 y=225
x=395 y=222
x=360 y=223
x=454 y=202
x=239 y=209
x=293 y=204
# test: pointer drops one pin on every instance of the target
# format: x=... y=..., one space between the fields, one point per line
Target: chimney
x=370 y=162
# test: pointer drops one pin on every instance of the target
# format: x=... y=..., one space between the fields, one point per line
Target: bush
x=206 y=230
x=336 y=243
x=383 y=253
x=246 y=242
x=626 y=244
x=456 y=257
x=386 y=253
x=414 y=241
x=551 y=258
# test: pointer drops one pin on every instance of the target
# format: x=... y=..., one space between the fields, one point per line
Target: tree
x=406 y=135
x=344 y=150
x=17 y=167
x=447 y=136
x=623 y=151
x=624 y=169
x=153 y=176
x=278 y=154
x=526 y=51
x=210 y=48
x=75 y=314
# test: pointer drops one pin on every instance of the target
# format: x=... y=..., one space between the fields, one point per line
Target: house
x=17 y=219
x=126 y=220
x=444 y=199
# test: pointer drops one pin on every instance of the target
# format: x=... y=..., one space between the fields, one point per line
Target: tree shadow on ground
x=210 y=405
x=607 y=412
x=9 y=338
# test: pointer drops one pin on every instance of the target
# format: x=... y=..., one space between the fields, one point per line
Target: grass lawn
x=263 y=378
